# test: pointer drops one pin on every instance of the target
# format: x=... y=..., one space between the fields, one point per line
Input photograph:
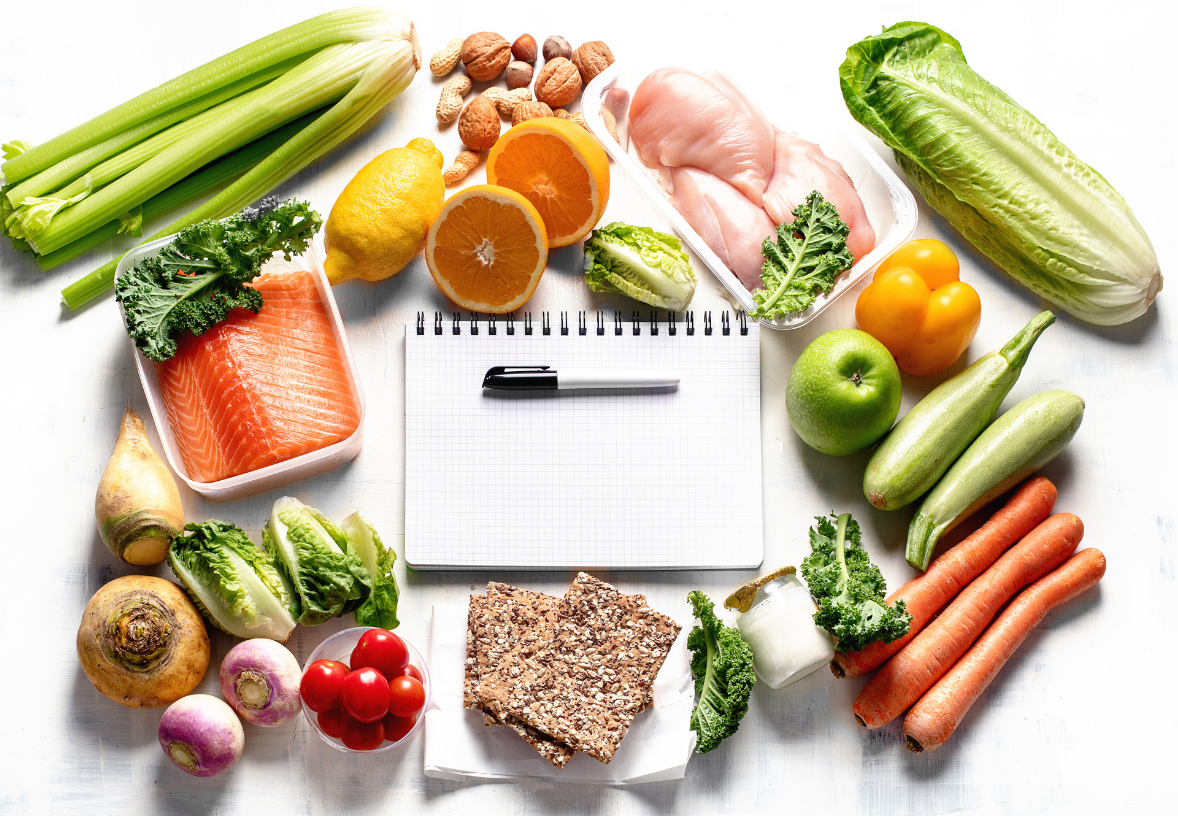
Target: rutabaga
x=999 y=176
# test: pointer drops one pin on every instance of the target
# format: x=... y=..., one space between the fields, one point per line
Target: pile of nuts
x=485 y=57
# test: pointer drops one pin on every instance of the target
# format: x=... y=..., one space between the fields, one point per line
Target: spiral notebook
x=666 y=478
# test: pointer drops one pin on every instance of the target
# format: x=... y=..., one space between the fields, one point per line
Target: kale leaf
x=722 y=665
x=809 y=254
x=197 y=279
x=849 y=589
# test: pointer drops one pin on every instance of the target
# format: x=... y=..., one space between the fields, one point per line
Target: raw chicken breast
x=729 y=223
x=799 y=168
x=679 y=118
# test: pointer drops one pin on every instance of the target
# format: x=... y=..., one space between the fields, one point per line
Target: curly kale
x=809 y=254
x=197 y=279
x=722 y=665
x=849 y=589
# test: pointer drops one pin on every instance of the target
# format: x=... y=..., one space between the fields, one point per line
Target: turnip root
x=260 y=680
x=142 y=642
x=138 y=507
x=202 y=735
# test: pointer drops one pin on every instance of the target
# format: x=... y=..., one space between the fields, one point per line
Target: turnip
x=260 y=679
x=138 y=507
x=142 y=642
x=202 y=735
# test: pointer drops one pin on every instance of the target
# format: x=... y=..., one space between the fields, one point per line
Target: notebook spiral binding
x=671 y=321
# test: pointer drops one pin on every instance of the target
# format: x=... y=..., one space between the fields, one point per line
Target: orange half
x=560 y=168
x=487 y=249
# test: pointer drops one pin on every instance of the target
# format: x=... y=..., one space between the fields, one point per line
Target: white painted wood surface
x=1077 y=722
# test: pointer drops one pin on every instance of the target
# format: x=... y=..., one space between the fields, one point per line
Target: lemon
x=380 y=220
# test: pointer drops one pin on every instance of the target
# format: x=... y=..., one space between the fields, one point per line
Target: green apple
x=843 y=393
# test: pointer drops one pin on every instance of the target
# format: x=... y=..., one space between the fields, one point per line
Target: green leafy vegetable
x=194 y=281
x=809 y=254
x=640 y=263
x=313 y=559
x=239 y=587
x=849 y=589
x=999 y=176
x=722 y=665
x=379 y=606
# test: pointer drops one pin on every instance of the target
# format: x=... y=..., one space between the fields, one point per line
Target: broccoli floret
x=722 y=665
x=849 y=589
x=197 y=279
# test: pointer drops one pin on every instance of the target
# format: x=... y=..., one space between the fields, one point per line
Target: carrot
x=937 y=715
x=925 y=594
x=921 y=663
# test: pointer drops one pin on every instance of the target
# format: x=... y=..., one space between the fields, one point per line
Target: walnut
x=478 y=126
x=485 y=55
x=519 y=74
x=524 y=48
x=559 y=83
x=529 y=110
x=556 y=46
x=591 y=59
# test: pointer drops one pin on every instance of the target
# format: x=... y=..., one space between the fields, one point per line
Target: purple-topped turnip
x=260 y=679
x=202 y=735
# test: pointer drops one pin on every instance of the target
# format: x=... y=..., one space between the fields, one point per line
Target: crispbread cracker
x=470 y=680
x=506 y=617
x=585 y=684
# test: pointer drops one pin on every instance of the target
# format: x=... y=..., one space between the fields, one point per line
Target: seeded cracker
x=508 y=617
x=585 y=685
x=470 y=680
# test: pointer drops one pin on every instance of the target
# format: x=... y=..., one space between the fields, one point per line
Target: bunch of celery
x=241 y=124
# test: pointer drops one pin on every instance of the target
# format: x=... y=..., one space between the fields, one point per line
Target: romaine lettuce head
x=379 y=607
x=320 y=570
x=999 y=176
x=641 y=263
x=238 y=586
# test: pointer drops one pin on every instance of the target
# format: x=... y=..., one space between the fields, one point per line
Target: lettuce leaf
x=379 y=605
x=999 y=176
x=640 y=263
x=320 y=570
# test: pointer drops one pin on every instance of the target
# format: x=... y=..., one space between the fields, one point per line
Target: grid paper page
x=623 y=479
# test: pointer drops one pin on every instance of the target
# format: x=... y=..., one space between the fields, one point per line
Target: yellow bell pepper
x=917 y=306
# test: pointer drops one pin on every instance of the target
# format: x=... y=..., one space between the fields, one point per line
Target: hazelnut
x=519 y=74
x=591 y=59
x=556 y=46
x=485 y=55
x=559 y=82
x=478 y=126
x=524 y=48
x=529 y=110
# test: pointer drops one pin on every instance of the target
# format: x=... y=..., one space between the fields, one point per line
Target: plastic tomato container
x=281 y=473
x=339 y=647
x=890 y=207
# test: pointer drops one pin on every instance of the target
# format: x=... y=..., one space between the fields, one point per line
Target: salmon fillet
x=260 y=389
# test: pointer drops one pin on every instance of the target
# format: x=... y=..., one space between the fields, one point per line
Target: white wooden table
x=1077 y=723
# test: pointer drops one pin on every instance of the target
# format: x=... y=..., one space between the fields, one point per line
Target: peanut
x=445 y=60
x=506 y=101
x=464 y=162
x=450 y=102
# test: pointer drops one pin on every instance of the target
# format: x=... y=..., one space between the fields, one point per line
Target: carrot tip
x=862 y=721
x=912 y=745
x=837 y=670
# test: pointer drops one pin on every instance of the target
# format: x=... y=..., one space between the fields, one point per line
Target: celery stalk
x=73 y=167
x=379 y=86
x=350 y=25
x=205 y=180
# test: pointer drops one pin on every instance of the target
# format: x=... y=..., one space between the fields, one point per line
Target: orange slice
x=559 y=167
x=487 y=249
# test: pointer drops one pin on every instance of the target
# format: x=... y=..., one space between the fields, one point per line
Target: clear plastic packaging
x=281 y=473
x=339 y=647
x=891 y=209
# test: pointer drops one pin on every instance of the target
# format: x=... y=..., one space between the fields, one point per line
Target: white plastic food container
x=281 y=473
x=890 y=207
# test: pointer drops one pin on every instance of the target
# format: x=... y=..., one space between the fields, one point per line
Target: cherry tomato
x=396 y=728
x=383 y=651
x=415 y=673
x=406 y=696
x=366 y=694
x=322 y=684
x=332 y=722
x=362 y=736
x=933 y=260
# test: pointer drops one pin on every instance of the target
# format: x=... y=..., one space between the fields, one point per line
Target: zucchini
x=932 y=435
x=1021 y=441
